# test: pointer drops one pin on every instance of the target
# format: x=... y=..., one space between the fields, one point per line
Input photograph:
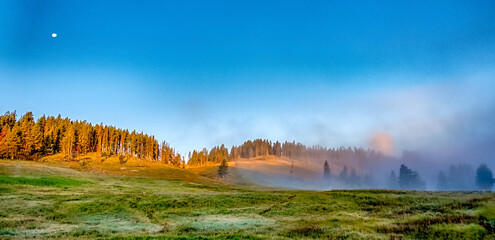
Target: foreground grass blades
x=38 y=201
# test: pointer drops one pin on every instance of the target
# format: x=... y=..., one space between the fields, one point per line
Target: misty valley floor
x=42 y=201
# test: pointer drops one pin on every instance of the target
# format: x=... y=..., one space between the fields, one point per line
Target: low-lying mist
x=363 y=172
x=441 y=130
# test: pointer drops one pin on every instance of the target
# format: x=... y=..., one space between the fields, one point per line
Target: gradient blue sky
x=202 y=73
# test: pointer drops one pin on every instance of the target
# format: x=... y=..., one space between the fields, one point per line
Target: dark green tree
x=409 y=179
x=223 y=169
x=326 y=171
x=484 y=177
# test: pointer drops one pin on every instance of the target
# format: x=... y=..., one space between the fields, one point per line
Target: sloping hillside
x=111 y=166
x=269 y=171
x=272 y=165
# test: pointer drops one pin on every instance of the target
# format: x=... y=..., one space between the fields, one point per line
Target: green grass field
x=42 y=200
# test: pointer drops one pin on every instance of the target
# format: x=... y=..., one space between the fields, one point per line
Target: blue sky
x=202 y=73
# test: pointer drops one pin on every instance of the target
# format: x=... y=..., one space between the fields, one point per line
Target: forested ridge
x=260 y=147
x=26 y=138
x=293 y=150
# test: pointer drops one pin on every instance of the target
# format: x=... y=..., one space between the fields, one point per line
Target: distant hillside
x=272 y=165
x=269 y=171
x=281 y=172
x=313 y=157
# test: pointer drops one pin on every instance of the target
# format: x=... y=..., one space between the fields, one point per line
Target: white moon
x=54 y=35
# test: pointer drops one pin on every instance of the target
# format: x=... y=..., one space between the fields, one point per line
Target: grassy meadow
x=133 y=201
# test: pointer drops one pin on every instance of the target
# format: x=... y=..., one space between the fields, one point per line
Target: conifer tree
x=223 y=169
x=409 y=179
x=8 y=119
x=26 y=124
x=38 y=144
x=484 y=177
x=193 y=160
x=326 y=171
x=12 y=143
x=99 y=136
x=84 y=138
x=68 y=143
x=3 y=132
